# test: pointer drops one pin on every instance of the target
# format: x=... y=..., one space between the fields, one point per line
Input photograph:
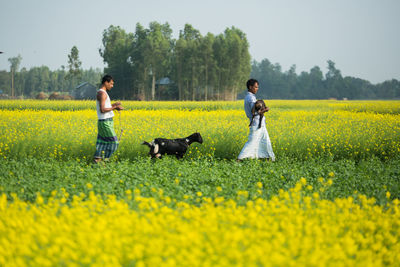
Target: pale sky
x=361 y=36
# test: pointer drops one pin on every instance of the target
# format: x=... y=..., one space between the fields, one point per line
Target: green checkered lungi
x=107 y=141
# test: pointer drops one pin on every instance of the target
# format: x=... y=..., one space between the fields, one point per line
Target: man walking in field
x=258 y=144
x=107 y=141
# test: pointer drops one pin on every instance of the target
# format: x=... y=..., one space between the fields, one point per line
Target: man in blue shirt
x=258 y=144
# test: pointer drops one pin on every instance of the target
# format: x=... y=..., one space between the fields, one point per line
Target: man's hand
x=117 y=106
x=262 y=111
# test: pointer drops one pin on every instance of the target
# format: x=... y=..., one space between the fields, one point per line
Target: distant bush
x=42 y=96
x=66 y=97
x=54 y=96
x=58 y=96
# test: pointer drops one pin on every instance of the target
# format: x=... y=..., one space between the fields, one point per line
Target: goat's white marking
x=187 y=140
x=162 y=143
x=156 y=148
x=158 y=155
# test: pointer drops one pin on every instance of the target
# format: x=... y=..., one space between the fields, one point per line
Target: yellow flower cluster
x=290 y=229
x=90 y=104
x=302 y=129
x=335 y=133
x=369 y=106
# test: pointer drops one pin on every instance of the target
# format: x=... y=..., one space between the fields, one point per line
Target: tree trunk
x=193 y=92
x=180 y=90
x=219 y=86
x=206 y=89
x=153 y=86
x=12 y=82
x=143 y=89
x=187 y=89
x=180 y=83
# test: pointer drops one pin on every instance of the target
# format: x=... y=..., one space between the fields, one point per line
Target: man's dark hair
x=251 y=82
x=106 y=78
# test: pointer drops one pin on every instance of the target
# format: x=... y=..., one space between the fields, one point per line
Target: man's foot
x=96 y=160
x=266 y=159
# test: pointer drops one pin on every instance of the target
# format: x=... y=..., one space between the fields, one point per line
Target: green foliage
x=15 y=62
x=363 y=149
x=275 y=84
x=117 y=45
x=74 y=66
x=182 y=179
x=41 y=79
x=137 y=60
x=302 y=129
x=200 y=67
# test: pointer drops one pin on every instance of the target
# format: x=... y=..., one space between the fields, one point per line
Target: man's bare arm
x=101 y=97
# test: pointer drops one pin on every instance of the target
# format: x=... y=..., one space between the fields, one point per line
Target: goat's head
x=260 y=106
x=196 y=137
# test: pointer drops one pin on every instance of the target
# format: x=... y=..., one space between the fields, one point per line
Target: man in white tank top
x=107 y=141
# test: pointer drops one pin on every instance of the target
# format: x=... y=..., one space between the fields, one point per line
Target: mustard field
x=302 y=129
x=330 y=199
x=289 y=230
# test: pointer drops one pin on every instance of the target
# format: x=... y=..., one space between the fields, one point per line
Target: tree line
x=149 y=64
x=277 y=84
x=209 y=67
x=29 y=83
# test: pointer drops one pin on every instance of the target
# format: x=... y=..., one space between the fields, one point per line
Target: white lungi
x=258 y=145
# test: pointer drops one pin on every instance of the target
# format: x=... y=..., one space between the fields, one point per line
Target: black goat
x=177 y=147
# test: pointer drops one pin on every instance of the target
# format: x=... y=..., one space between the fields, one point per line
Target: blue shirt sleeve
x=249 y=101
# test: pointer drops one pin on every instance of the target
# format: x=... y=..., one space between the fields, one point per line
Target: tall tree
x=74 y=66
x=158 y=51
x=291 y=85
x=138 y=62
x=179 y=62
x=14 y=66
x=240 y=65
x=191 y=36
x=116 y=52
x=208 y=63
x=264 y=72
x=316 y=90
x=220 y=49
x=233 y=62
x=334 y=81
